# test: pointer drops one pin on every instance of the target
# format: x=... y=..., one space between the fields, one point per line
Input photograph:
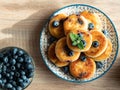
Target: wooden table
x=20 y=24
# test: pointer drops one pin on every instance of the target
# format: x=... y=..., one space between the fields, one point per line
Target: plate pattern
x=107 y=25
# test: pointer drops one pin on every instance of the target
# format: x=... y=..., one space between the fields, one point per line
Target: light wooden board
x=20 y=24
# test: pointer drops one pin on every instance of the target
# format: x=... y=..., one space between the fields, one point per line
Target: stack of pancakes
x=63 y=53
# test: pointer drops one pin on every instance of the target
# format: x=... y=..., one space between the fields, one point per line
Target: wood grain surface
x=20 y=24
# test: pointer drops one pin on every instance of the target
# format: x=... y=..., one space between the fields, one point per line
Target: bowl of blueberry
x=16 y=68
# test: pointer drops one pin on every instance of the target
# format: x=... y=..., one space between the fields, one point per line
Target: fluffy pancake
x=58 y=31
x=86 y=36
x=61 y=52
x=83 y=69
x=106 y=53
x=93 y=18
x=103 y=42
x=73 y=22
x=52 y=56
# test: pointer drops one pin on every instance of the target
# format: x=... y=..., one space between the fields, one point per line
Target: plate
x=107 y=25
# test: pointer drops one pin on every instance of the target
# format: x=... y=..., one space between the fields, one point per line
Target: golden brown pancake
x=61 y=52
x=93 y=18
x=57 y=32
x=86 y=36
x=83 y=69
x=106 y=53
x=73 y=22
x=103 y=42
x=52 y=56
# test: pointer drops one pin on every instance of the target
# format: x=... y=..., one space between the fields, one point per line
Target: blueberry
x=14 y=83
x=4 y=68
x=12 y=73
x=20 y=80
x=52 y=39
x=18 y=65
x=27 y=81
x=30 y=74
x=13 y=68
x=20 y=59
x=11 y=77
x=55 y=23
x=12 y=61
x=15 y=56
x=99 y=65
x=105 y=32
x=83 y=58
x=1 y=56
x=83 y=42
x=65 y=69
x=7 y=64
x=0 y=76
x=14 y=51
x=13 y=88
x=70 y=53
x=95 y=44
x=7 y=75
x=23 y=77
x=29 y=66
x=80 y=35
x=5 y=59
x=0 y=70
x=20 y=53
x=1 y=82
x=22 y=72
x=8 y=86
x=90 y=26
x=28 y=60
x=17 y=74
x=4 y=80
x=23 y=85
x=18 y=88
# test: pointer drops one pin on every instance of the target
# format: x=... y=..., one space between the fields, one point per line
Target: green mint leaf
x=73 y=37
x=74 y=43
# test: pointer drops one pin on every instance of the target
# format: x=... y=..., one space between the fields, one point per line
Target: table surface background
x=20 y=24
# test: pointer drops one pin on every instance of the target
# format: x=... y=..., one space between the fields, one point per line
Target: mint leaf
x=74 y=43
x=73 y=37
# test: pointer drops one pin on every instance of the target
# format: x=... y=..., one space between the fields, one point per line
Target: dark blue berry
x=83 y=58
x=65 y=69
x=28 y=60
x=70 y=53
x=7 y=75
x=17 y=74
x=90 y=26
x=11 y=77
x=14 y=83
x=18 y=88
x=27 y=81
x=8 y=86
x=20 y=59
x=5 y=59
x=1 y=56
x=20 y=80
x=30 y=74
x=12 y=73
x=0 y=70
x=23 y=77
x=80 y=35
x=83 y=42
x=13 y=88
x=1 y=82
x=55 y=23
x=52 y=39
x=14 y=51
x=15 y=56
x=105 y=32
x=29 y=66
x=23 y=85
x=22 y=72
x=20 y=53
x=0 y=76
x=12 y=61
x=4 y=80
x=4 y=68
x=99 y=65
x=95 y=44
x=13 y=68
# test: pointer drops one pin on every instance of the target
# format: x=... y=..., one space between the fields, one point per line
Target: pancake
x=52 y=56
x=63 y=54
x=56 y=25
x=100 y=38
